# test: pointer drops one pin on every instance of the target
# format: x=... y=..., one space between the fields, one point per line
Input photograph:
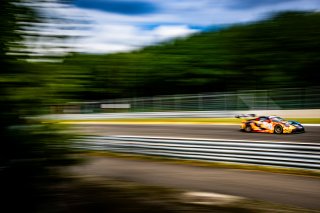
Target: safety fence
x=280 y=154
x=288 y=98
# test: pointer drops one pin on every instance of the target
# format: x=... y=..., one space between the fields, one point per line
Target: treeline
x=280 y=52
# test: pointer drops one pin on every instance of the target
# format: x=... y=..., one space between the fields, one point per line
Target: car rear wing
x=245 y=115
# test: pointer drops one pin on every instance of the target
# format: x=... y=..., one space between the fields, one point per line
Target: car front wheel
x=248 y=128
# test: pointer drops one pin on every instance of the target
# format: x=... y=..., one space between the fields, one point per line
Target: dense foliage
x=29 y=150
x=280 y=52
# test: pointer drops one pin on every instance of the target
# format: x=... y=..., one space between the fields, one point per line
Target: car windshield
x=277 y=119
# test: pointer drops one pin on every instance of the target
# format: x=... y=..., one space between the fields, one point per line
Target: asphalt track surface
x=227 y=132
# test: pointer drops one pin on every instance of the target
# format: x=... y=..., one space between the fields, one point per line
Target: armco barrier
x=281 y=154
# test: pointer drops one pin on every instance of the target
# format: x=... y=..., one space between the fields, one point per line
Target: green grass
x=306 y=120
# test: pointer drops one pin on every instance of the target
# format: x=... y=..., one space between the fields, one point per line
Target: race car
x=270 y=124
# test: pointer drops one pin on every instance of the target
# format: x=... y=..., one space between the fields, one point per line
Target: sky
x=111 y=26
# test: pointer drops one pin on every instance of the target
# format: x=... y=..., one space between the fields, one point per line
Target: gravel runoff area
x=202 y=185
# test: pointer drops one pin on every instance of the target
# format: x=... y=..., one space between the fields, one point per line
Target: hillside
x=276 y=53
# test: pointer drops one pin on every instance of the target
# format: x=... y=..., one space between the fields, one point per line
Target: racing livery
x=270 y=124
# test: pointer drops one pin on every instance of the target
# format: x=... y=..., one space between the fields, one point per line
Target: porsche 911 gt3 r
x=270 y=124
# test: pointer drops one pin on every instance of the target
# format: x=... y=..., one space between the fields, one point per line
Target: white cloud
x=104 y=32
x=164 y=32
x=122 y=38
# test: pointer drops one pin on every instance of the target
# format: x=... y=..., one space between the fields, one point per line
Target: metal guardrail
x=281 y=154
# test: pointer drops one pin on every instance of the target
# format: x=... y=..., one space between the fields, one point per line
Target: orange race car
x=270 y=124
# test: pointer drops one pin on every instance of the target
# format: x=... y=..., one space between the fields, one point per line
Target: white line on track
x=311 y=124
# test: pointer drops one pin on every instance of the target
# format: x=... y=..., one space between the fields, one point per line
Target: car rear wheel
x=248 y=128
x=278 y=129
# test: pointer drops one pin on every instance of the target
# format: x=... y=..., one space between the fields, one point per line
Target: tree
x=279 y=52
x=29 y=150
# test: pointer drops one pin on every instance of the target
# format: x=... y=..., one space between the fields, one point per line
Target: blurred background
x=92 y=56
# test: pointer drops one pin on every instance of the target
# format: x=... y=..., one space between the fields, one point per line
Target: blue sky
x=115 y=6
x=109 y=26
